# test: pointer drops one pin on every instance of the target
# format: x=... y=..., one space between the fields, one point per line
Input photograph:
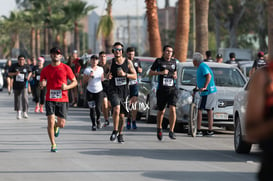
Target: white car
x=239 y=108
x=228 y=79
x=1 y=81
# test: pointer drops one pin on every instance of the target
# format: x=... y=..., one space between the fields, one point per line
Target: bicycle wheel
x=193 y=120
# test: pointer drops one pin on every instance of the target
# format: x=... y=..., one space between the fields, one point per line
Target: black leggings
x=95 y=106
x=39 y=94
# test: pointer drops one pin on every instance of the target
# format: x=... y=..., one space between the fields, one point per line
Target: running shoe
x=41 y=109
x=159 y=134
x=106 y=123
x=134 y=125
x=128 y=124
x=53 y=148
x=120 y=138
x=113 y=136
x=56 y=131
x=19 y=116
x=210 y=133
x=98 y=124
x=37 y=109
x=94 y=128
x=25 y=115
x=199 y=133
x=172 y=135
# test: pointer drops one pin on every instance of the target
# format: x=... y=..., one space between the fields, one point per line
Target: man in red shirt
x=54 y=78
x=77 y=65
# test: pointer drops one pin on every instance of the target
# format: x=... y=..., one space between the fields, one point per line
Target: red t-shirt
x=55 y=77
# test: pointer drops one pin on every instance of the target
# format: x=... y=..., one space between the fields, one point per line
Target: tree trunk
x=76 y=36
x=202 y=10
x=182 y=30
x=38 y=43
x=65 y=47
x=153 y=29
x=270 y=29
x=261 y=25
x=46 y=40
x=33 y=42
x=109 y=42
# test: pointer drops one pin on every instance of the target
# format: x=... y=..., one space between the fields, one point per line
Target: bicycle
x=193 y=112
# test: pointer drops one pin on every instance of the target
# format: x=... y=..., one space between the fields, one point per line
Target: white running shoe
x=25 y=115
x=19 y=115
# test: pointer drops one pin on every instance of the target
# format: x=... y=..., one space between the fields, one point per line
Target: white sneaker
x=19 y=115
x=25 y=115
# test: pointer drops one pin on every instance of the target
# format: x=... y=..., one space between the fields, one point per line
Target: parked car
x=228 y=79
x=245 y=68
x=239 y=109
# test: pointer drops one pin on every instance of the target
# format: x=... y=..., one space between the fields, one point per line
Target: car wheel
x=240 y=145
x=149 y=118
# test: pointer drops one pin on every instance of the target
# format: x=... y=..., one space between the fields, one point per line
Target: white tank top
x=94 y=84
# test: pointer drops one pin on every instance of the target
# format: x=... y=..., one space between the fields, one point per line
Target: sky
x=120 y=7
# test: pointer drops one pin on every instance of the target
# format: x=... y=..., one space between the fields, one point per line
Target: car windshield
x=226 y=77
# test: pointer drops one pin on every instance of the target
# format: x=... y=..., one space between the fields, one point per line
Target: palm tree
x=270 y=29
x=75 y=10
x=106 y=27
x=202 y=10
x=182 y=30
x=153 y=29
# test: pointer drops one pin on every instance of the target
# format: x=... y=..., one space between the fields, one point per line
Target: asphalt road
x=89 y=155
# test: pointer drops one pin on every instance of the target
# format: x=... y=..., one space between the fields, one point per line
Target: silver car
x=239 y=109
x=228 y=79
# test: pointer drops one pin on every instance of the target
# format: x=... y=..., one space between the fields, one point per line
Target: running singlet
x=165 y=81
x=94 y=84
x=55 y=77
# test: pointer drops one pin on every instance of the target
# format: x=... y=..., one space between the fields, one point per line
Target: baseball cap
x=55 y=50
x=75 y=51
x=219 y=55
x=260 y=54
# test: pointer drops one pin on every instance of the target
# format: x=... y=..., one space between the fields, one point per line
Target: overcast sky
x=120 y=7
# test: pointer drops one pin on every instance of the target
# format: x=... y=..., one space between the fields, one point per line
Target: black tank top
x=119 y=84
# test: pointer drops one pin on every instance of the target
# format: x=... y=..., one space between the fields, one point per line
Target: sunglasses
x=117 y=49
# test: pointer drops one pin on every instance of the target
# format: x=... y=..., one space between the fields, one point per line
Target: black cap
x=55 y=50
x=94 y=57
x=232 y=55
x=219 y=55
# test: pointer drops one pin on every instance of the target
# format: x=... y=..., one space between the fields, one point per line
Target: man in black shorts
x=105 y=84
x=165 y=68
x=133 y=87
x=121 y=70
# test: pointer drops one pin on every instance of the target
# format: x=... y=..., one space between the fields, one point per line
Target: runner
x=94 y=76
x=133 y=87
x=166 y=94
x=21 y=73
x=121 y=70
x=54 y=78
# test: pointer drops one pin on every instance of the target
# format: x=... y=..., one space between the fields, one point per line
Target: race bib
x=38 y=77
x=20 y=77
x=167 y=82
x=132 y=82
x=119 y=81
x=55 y=94
x=91 y=104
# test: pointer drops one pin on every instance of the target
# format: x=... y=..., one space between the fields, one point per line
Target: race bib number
x=119 y=81
x=55 y=94
x=38 y=77
x=20 y=77
x=167 y=82
x=132 y=82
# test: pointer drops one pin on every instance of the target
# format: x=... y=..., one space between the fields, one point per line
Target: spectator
x=219 y=58
x=259 y=117
x=21 y=73
x=232 y=59
x=8 y=78
x=258 y=63
x=206 y=85
x=208 y=57
x=166 y=94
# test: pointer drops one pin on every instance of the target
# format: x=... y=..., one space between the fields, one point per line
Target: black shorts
x=105 y=85
x=116 y=100
x=58 y=108
x=133 y=90
x=166 y=97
